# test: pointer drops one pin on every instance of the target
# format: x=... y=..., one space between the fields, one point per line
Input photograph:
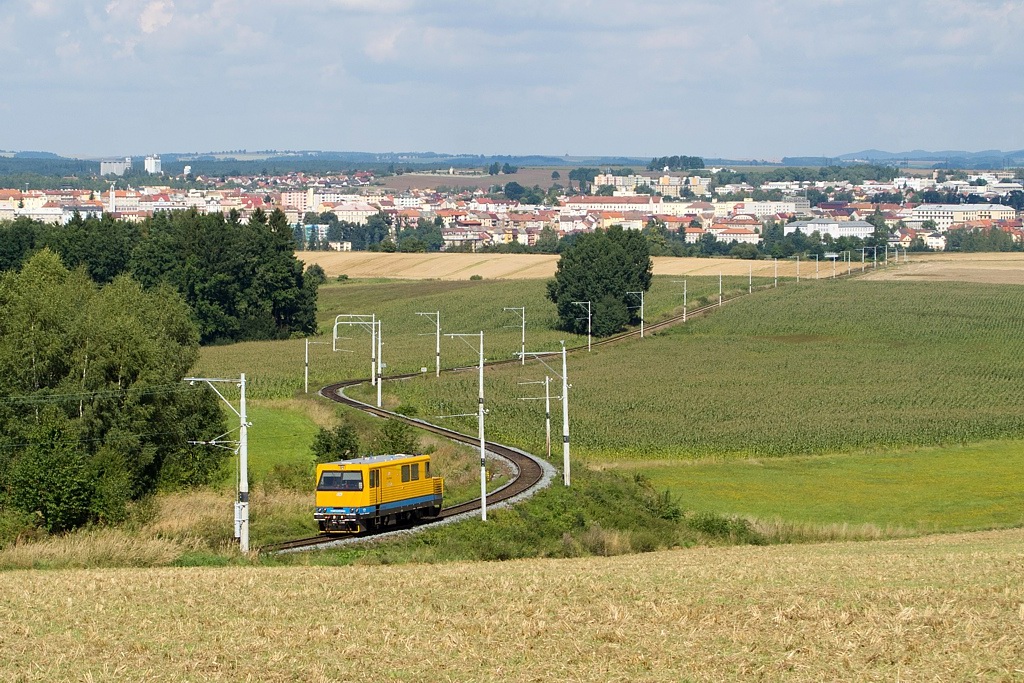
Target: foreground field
x=937 y=608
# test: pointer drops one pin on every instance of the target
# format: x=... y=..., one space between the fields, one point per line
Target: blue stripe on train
x=384 y=507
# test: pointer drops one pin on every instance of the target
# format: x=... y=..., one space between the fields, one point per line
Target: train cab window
x=374 y=478
x=415 y=471
x=405 y=473
x=340 y=481
x=426 y=470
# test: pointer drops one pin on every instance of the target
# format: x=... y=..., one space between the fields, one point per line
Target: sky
x=721 y=78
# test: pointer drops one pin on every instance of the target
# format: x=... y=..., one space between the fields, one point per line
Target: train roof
x=377 y=459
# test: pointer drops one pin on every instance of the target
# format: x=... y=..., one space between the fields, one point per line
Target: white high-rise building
x=116 y=167
x=153 y=164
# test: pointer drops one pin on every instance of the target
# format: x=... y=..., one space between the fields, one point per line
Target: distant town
x=691 y=206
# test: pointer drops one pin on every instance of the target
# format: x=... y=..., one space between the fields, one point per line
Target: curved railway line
x=529 y=470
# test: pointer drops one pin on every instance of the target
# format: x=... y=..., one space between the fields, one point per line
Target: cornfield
x=821 y=367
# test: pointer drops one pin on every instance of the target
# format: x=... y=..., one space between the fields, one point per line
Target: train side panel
x=356 y=495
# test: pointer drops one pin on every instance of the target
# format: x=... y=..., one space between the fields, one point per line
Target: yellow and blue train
x=362 y=494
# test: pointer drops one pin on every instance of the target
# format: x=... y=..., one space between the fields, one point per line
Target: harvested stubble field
x=527 y=177
x=365 y=265
x=988 y=268
x=936 y=608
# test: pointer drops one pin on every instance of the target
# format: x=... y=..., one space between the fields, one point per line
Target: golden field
x=986 y=268
x=935 y=608
x=440 y=266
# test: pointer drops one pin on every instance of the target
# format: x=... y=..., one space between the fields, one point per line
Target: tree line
x=675 y=163
x=241 y=281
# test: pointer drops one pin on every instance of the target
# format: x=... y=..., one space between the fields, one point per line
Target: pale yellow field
x=362 y=264
x=943 y=608
x=990 y=268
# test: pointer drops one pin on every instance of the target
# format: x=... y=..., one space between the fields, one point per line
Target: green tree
x=18 y=239
x=514 y=191
x=395 y=436
x=94 y=380
x=596 y=266
x=547 y=241
x=50 y=479
x=339 y=443
x=242 y=281
x=315 y=275
x=103 y=246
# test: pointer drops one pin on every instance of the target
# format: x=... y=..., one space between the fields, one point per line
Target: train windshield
x=340 y=481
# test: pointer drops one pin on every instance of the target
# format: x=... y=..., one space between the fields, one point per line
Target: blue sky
x=728 y=78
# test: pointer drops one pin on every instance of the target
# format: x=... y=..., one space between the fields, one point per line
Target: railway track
x=528 y=469
x=529 y=472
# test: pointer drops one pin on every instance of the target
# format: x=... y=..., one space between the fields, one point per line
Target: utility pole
x=521 y=310
x=242 y=503
x=565 y=418
x=380 y=358
x=437 y=344
x=480 y=424
x=547 y=412
x=539 y=355
x=547 y=409
x=684 y=296
x=798 y=267
x=368 y=322
x=306 y=374
x=776 y=259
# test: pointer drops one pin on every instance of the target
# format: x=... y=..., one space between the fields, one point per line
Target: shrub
x=476 y=277
x=51 y=479
x=733 y=529
x=339 y=443
x=395 y=436
x=315 y=275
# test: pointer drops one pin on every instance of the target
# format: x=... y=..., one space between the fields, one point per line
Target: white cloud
x=156 y=15
x=42 y=8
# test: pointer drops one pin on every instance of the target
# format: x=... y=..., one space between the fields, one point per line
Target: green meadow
x=951 y=488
